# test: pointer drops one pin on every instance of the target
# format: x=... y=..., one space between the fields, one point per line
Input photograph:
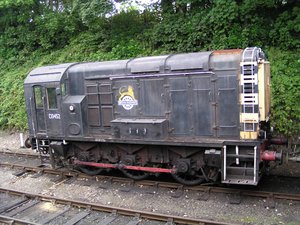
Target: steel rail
x=28 y=155
x=158 y=184
x=12 y=220
x=105 y=208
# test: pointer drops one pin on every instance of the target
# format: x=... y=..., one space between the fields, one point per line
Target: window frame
x=52 y=98
x=38 y=100
x=63 y=88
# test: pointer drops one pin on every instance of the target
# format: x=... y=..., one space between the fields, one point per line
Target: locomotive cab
x=45 y=89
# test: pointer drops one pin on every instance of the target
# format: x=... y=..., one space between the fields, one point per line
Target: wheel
x=90 y=170
x=27 y=143
x=188 y=179
x=135 y=174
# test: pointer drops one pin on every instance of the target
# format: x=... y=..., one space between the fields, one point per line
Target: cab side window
x=52 y=100
x=38 y=97
x=63 y=88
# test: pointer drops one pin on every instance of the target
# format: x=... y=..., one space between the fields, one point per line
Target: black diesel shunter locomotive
x=194 y=115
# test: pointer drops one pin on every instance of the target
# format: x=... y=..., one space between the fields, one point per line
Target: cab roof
x=51 y=73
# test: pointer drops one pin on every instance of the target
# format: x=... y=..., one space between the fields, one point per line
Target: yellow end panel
x=264 y=90
x=267 y=89
x=248 y=135
x=249 y=118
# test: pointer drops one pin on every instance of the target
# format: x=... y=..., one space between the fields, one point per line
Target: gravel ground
x=217 y=207
x=10 y=140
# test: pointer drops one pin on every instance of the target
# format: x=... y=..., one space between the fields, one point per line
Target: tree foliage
x=39 y=32
x=285 y=91
x=89 y=11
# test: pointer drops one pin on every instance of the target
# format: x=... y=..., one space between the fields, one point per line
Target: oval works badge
x=127 y=99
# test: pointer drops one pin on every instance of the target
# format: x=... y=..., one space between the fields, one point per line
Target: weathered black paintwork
x=179 y=110
x=194 y=94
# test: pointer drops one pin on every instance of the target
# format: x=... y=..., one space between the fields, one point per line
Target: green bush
x=285 y=68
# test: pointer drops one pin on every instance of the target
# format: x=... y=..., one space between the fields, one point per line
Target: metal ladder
x=249 y=79
x=43 y=148
x=241 y=162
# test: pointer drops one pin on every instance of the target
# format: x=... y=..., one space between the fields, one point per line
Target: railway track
x=202 y=191
x=26 y=208
x=19 y=153
x=112 y=184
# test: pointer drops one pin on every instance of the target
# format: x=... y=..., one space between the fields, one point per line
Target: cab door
x=53 y=116
x=48 y=110
x=39 y=110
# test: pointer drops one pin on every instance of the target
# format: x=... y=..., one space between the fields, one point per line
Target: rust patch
x=227 y=52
